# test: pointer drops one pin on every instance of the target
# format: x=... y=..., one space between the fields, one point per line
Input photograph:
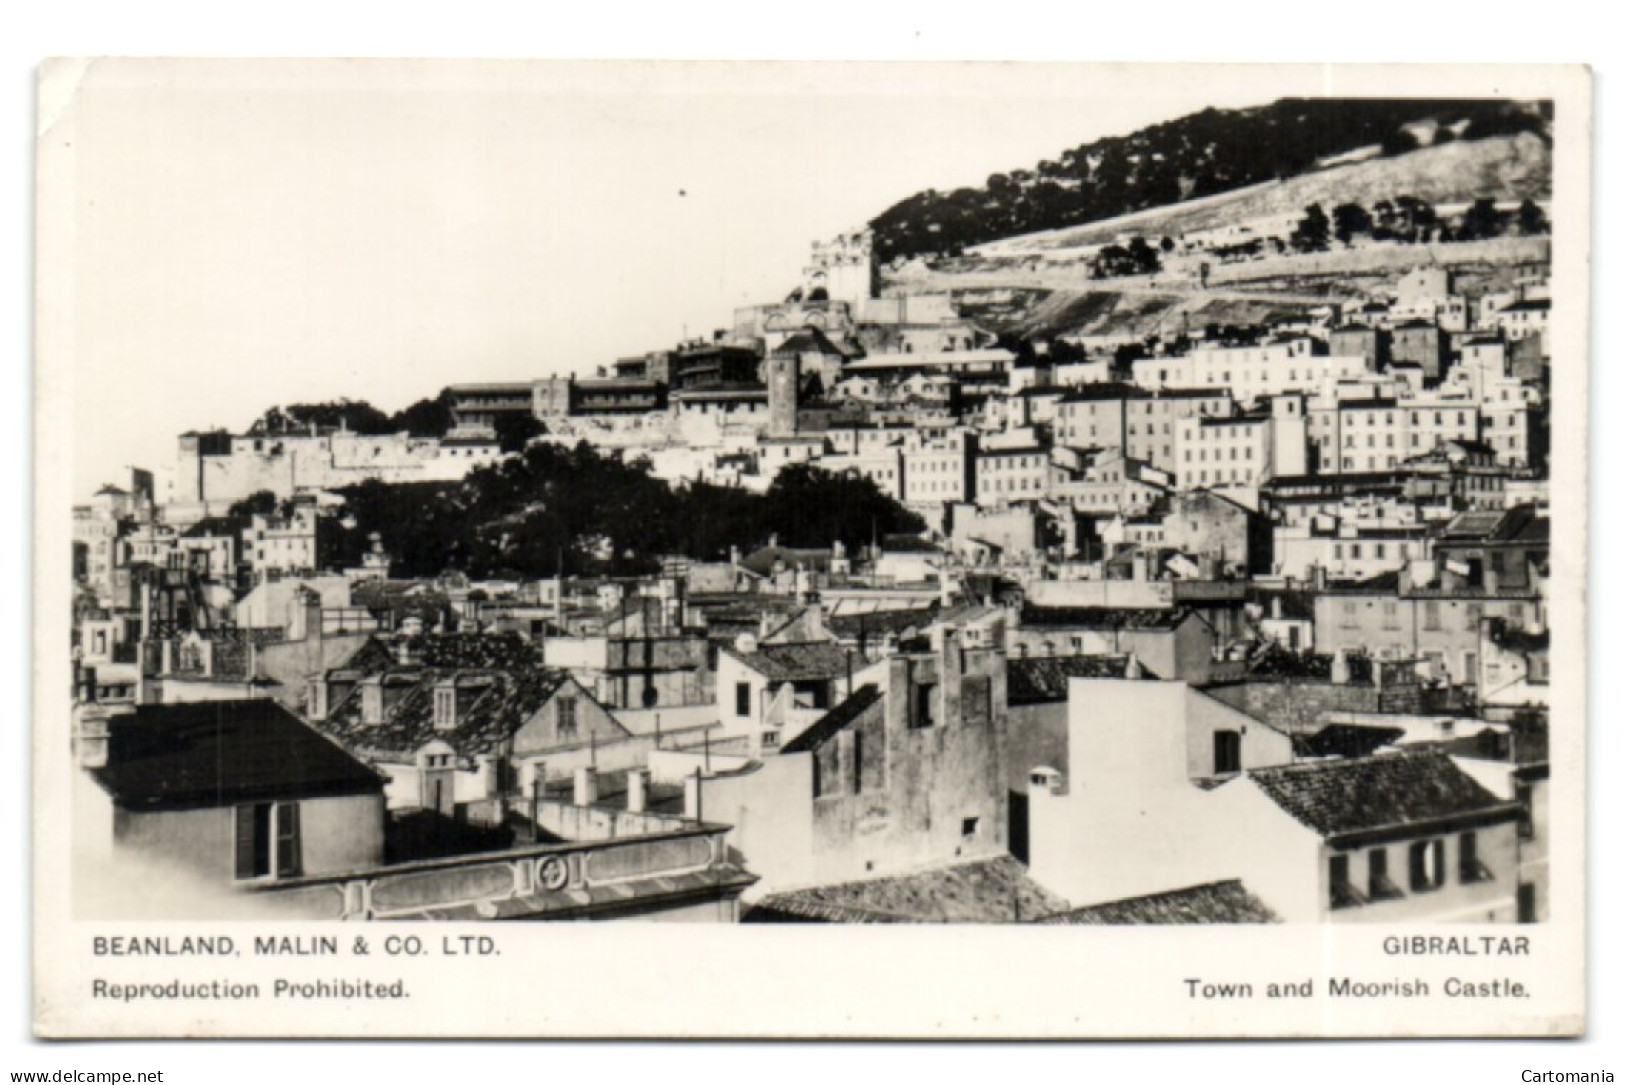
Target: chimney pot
x=586 y=785
x=637 y=791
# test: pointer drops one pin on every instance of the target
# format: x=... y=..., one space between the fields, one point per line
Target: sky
x=250 y=235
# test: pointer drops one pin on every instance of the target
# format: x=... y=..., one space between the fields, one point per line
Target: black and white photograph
x=490 y=512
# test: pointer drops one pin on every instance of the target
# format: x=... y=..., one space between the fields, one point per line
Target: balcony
x=617 y=862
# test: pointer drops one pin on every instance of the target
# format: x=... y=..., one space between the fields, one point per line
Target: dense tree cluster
x=578 y=511
x=425 y=418
x=1199 y=155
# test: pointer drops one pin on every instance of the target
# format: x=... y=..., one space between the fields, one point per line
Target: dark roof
x=808 y=340
x=761 y=561
x=215 y=526
x=1345 y=740
x=1519 y=524
x=796 y=661
x=835 y=720
x=1104 y=617
x=216 y=753
x=880 y=623
x=1388 y=790
x=502 y=702
x=1215 y=902
x=1044 y=679
x=980 y=891
x=1104 y=390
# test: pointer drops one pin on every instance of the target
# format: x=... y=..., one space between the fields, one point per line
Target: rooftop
x=807 y=660
x=835 y=720
x=1215 y=902
x=217 y=753
x=980 y=891
x=1389 y=790
x=1117 y=618
x=1044 y=680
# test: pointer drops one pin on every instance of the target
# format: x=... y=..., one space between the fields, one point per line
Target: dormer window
x=445 y=708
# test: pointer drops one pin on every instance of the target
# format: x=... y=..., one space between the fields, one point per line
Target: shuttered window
x=254 y=841
x=288 y=858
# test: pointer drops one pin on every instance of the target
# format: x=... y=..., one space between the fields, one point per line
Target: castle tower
x=783 y=372
x=842 y=270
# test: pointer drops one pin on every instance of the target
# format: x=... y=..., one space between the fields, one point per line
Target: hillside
x=1200 y=155
x=1505 y=168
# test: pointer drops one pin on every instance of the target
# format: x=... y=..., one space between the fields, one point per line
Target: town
x=1235 y=621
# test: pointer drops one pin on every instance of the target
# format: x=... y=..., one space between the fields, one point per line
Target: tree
x=258 y=503
x=1532 y=220
x=1400 y=141
x=357 y=416
x=1313 y=231
x=1350 y=219
x=1481 y=220
x=426 y=417
x=514 y=429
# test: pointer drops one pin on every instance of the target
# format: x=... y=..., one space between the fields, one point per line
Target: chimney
x=637 y=790
x=693 y=799
x=1132 y=669
x=1340 y=668
x=91 y=733
x=490 y=776
x=586 y=785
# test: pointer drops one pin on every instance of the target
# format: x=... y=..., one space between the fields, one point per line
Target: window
x=970 y=828
x=1427 y=865
x=1226 y=752
x=922 y=715
x=268 y=840
x=1526 y=904
x=742 y=698
x=1378 y=885
x=1468 y=865
x=1342 y=891
x=1524 y=795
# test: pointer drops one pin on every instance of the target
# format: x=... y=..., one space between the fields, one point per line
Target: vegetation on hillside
x=1198 y=155
x=425 y=418
x=579 y=511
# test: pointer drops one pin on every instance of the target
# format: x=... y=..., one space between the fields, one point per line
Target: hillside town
x=1243 y=624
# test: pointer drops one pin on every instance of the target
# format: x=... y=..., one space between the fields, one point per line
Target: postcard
x=699 y=549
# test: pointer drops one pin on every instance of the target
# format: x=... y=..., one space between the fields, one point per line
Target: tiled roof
x=808 y=660
x=1383 y=791
x=1104 y=617
x=980 y=891
x=1345 y=740
x=835 y=720
x=216 y=753
x=507 y=699
x=1215 y=902
x=880 y=623
x=1043 y=680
